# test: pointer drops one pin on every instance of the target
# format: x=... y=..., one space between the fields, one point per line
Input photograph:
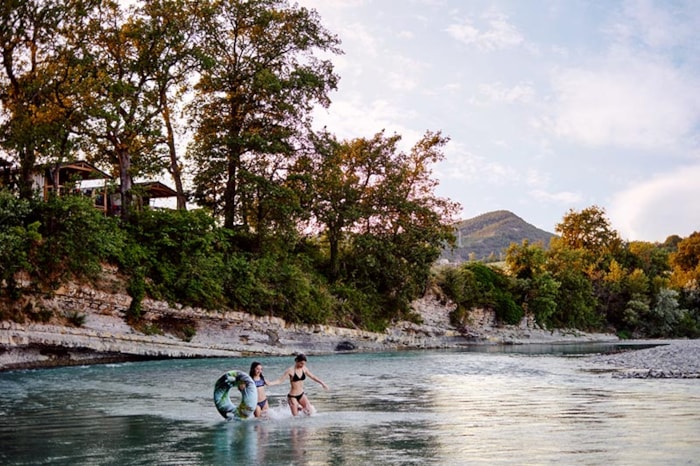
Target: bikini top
x=261 y=382
x=296 y=378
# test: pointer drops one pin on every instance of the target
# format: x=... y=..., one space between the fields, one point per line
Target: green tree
x=576 y=301
x=171 y=34
x=121 y=95
x=76 y=239
x=36 y=82
x=589 y=230
x=17 y=238
x=665 y=315
x=525 y=261
x=260 y=77
x=341 y=178
x=181 y=253
x=380 y=201
x=538 y=288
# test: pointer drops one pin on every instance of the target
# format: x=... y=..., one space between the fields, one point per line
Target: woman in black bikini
x=259 y=379
x=297 y=374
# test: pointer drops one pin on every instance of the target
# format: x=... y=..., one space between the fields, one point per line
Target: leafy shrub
x=76 y=239
x=75 y=318
x=180 y=254
x=279 y=286
x=474 y=285
x=357 y=308
x=18 y=235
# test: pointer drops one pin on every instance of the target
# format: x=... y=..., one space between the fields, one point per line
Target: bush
x=76 y=239
x=279 y=286
x=75 y=318
x=180 y=255
x=18 y=236
x=475 y=285
x=357 y=308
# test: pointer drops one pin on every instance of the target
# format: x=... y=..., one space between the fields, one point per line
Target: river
x=495 y=405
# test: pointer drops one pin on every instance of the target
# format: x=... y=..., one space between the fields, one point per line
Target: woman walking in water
x=257 y=375
x=297 y=374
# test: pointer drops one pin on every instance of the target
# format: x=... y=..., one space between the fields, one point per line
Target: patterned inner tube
x=236 y=380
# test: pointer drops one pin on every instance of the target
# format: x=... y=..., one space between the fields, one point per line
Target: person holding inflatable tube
x=297 y=399
x=256 y=373
x=249 y=395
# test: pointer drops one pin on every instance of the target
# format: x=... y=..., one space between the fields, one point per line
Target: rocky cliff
x=181 y=332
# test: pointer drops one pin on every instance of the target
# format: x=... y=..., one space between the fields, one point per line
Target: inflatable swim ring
x=249 y=395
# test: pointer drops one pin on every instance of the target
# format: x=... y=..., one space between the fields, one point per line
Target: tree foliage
x=36 y=83
x=260 y=77
x=589 y=230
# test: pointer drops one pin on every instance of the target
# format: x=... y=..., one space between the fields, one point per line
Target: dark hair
x=252 y=368
x=300 y=357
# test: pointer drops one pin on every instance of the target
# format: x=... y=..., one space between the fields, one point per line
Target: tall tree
x=121 y=98
x=343 y=174
x=171 y=33
x=37 y=80
x=379 y=201
x=589 y=230
x=686 y=263
x=260 y=78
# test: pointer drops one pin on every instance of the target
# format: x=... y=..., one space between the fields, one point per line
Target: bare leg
x=293 y=405
x=306 y=405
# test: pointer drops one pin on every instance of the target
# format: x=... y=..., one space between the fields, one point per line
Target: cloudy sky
x=550 y=105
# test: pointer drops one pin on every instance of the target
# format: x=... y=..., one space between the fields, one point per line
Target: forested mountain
x=487 y=236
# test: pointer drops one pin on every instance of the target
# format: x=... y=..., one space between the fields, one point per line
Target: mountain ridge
x=487 y=236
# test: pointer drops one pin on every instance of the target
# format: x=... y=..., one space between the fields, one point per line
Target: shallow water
x=512 y=405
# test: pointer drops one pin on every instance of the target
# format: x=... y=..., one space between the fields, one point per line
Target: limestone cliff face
x=184 y=332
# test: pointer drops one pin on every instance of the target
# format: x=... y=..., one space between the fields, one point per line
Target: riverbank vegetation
x=283 y=219
x=588 y=278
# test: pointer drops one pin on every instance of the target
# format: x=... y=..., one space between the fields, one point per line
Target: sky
x=550 y=105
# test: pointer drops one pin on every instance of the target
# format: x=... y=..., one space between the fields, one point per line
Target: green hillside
x=487 y=236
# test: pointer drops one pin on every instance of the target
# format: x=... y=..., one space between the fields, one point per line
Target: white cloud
x=663 y=206
x=461 y=164
x=356 y=118
x=360 y=36
x=626 y=102
x=497 y=92
x=404 y=73
x=562 y=197
x=497 y=34
x=655 y=25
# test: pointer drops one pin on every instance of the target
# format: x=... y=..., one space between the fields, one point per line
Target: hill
x=487 y=236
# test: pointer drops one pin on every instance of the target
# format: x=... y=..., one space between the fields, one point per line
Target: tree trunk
x=230 y=194
x=174 y=166
x=26 y=168
x=125 y=182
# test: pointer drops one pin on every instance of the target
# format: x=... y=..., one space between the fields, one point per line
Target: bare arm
x=316 y=379
x=282 y=378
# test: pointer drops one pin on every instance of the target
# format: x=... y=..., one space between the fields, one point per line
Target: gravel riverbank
x=666 y=359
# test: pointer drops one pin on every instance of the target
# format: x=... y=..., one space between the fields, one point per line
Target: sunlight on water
x=433 y=407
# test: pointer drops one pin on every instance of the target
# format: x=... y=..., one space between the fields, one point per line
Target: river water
x=512 y=405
